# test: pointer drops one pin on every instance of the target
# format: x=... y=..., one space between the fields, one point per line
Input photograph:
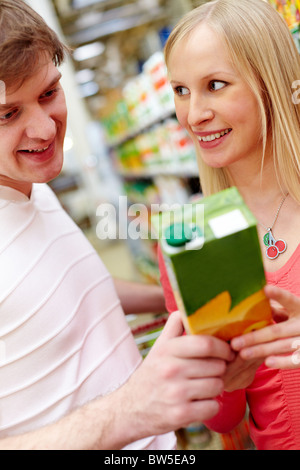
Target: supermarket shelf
x=180 y=171
x=151 y=152
x=165 y=114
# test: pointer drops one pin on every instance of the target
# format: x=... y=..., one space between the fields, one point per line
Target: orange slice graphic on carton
x=215 y=318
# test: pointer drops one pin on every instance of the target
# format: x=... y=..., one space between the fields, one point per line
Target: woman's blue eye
x=181 y=90
x=216 y=85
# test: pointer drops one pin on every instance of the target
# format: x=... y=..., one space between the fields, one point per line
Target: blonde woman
x=234 y=68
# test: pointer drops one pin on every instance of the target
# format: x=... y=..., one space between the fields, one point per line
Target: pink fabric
x=273 y=397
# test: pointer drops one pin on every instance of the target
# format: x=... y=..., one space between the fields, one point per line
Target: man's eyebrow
x=4 y=107
x=54 y=81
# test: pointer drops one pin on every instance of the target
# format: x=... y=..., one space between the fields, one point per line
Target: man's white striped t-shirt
x=64 y=339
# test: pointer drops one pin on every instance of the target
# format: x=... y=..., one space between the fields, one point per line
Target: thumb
x=172 y=329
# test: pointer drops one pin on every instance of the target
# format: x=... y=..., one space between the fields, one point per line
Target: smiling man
x=71 y=376
x=32 y=129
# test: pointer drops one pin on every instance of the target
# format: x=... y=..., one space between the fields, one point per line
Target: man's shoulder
x=44 y=197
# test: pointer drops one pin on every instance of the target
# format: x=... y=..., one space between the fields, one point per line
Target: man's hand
x=178 y=381
x=175 y=385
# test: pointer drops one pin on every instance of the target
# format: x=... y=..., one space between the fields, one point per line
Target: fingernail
x=270 y=362
x=247 y=353
x=237 y=343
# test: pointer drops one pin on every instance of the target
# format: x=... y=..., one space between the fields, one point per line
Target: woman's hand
x=278 y=343
x=240 y=373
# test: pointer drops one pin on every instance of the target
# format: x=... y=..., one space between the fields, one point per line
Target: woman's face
x=213 y=102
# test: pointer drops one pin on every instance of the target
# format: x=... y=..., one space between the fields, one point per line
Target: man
x=70 y=373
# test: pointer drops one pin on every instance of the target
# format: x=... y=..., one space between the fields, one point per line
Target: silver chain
x=276 y=215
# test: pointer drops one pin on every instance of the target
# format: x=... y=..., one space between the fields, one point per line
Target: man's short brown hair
x=24 y=39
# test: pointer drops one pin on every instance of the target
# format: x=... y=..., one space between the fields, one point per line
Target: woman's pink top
x=274 y=396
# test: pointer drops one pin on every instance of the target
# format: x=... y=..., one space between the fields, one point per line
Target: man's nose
x=40 y=124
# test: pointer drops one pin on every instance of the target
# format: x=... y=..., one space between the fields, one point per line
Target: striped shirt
x=64 y=339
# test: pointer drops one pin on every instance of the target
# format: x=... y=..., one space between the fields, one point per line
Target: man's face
x=33 y=121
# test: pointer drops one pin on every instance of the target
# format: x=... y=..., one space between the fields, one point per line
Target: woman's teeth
x=209 y=138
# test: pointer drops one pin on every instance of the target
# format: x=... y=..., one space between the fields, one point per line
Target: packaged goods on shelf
x=128 y=156
x=142 y=130
x=118 y=124
x=142 y=101
x=155 y=68
x=144 y=253
x=149 y=95
x=164 y=147
x=290 y=11
x=181 y=144
x=142 y=191
x=146 y=98
x=146 y=142
x=148 y=148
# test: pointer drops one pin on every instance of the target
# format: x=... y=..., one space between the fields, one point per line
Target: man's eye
x=9 y=116
x=181 y=91
x=216 y=85
x=49 y=94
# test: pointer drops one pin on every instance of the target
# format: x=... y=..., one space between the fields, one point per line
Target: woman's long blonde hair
x=264 y=52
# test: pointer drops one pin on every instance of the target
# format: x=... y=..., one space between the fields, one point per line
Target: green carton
x=214 y=263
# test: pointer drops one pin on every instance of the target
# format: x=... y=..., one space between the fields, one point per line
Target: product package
x=214 y=263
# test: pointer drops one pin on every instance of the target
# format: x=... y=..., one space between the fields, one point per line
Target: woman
x=234 y=68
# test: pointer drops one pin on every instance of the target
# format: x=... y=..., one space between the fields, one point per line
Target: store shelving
x=150 y=151
x=290 y=11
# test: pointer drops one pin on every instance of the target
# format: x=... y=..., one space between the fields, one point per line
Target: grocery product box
x=213 y=259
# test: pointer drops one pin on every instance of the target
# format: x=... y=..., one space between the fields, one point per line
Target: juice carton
x=214 y=263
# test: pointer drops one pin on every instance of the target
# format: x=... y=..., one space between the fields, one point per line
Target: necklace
x=274 y=247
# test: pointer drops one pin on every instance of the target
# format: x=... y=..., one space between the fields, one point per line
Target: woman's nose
x=200 y=111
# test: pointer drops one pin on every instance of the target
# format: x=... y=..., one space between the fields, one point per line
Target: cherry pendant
x=274 y=247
